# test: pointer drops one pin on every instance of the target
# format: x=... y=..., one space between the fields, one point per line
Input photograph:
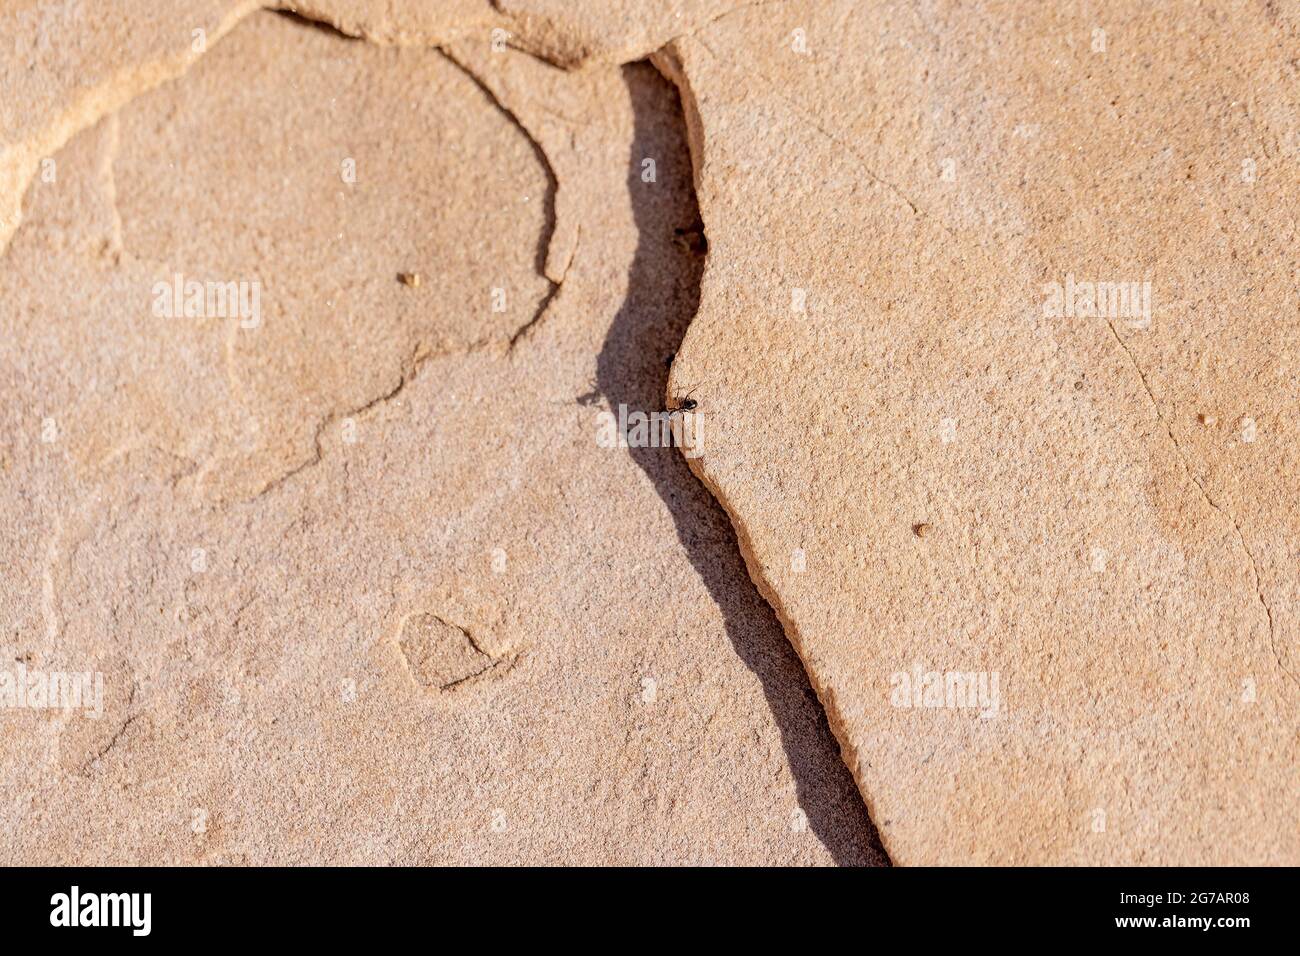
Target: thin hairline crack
x=1209 y=499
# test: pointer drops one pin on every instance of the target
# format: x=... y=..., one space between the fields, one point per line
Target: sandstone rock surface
x=993 y=338
x=361 y=584
x=944 y=458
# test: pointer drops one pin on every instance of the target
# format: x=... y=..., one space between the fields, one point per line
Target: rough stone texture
x=64 y=65
x=243 y=405
x=361 y=584
x=443 y=657
x=363 y=587
x=927 y=470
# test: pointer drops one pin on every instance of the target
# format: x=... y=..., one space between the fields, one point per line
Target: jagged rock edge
x=669 y=63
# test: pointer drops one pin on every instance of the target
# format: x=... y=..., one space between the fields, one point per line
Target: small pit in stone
x=442 y=656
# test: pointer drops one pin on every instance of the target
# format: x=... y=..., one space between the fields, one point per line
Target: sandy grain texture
x=933 y=471
x=362 y=586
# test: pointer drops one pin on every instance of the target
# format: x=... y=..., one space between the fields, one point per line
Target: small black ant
x=686 y=404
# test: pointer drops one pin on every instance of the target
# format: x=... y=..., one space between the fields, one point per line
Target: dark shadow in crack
x=632 y=370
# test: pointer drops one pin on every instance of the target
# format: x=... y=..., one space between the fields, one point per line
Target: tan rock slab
x=70 y=65
x=900 y=206
x=361 y=585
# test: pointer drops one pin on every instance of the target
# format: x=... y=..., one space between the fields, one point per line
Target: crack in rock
x=1236 y=527
x=442 y=657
